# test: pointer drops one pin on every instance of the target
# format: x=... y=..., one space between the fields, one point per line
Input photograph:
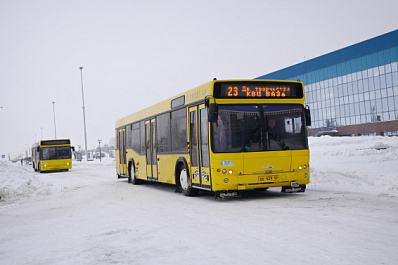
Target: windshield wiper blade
x=248 y=144
x=281 y=143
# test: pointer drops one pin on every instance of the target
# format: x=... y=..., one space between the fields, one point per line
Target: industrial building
x=351 y=91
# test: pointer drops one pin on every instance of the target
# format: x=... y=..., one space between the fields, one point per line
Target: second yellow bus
x=52 y=155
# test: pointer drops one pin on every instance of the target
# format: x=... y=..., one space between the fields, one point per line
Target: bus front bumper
x=293 y=181
x=54 y=166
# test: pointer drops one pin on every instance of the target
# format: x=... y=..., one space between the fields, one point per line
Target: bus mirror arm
x=213 y=112
x=207 y=101
x=307 y=114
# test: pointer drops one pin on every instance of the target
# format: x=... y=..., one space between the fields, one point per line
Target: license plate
x=268 y=178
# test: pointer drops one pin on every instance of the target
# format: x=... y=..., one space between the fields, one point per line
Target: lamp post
x=55 y=126
x=84 y=111
x=99 y=142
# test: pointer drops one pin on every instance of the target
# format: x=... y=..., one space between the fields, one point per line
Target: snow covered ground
x=348 y=215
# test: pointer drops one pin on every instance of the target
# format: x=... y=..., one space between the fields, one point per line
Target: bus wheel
x=132 y=177
x=185 y=183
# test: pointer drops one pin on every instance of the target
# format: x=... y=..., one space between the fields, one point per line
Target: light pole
x=55 y=126
x=99 y=142
x=84 y=111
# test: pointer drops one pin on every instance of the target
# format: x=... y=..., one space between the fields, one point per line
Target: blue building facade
x=354 y=90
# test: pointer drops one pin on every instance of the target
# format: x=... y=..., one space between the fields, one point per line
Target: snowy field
x=348 y=215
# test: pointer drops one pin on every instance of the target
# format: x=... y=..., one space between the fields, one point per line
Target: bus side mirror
x=213 y=112
x=73 y=148
x=307 y=114
x=38 y=149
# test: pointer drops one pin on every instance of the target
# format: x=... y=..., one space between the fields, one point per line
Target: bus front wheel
x=132 y=177
x=185 y=183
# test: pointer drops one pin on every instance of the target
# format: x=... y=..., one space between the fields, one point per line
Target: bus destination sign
x=264 y=90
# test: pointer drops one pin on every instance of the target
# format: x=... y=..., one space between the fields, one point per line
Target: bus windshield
x=58 y=152
x=261 y=127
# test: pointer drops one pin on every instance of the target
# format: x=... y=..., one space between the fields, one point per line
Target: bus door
x=199 y=150
x=151 y=151
x=204 y=147
x=122 y=152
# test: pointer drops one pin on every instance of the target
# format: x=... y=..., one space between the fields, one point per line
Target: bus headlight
x=224 y=171
x=226 y=180
x=301 y=167
x=230 y=171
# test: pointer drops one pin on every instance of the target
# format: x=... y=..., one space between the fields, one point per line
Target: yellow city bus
x=224 y=136
x=52 y=155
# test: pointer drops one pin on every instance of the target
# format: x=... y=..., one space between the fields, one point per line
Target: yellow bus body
x=54 y=165
x=60 y=160
x=241 y=179
x=227 y=171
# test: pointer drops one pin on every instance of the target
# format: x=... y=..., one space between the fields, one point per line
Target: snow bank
x=365 y=164
x=17 y=181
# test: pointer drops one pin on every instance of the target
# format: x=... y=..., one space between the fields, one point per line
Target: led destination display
x=258 y=90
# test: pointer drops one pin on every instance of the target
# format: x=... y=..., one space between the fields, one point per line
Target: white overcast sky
x=136 y=53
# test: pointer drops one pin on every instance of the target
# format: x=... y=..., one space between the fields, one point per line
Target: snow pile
x=366 y=164
x=17 y=181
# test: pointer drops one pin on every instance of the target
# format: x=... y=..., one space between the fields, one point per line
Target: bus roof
x=193 y=95
x=52 y=142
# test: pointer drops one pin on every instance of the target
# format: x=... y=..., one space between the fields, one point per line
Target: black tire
x=132 y=177
x=185 y=182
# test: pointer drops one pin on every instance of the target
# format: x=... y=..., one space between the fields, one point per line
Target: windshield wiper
x=249 y=143
x=282 y=143
x=276 y=138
